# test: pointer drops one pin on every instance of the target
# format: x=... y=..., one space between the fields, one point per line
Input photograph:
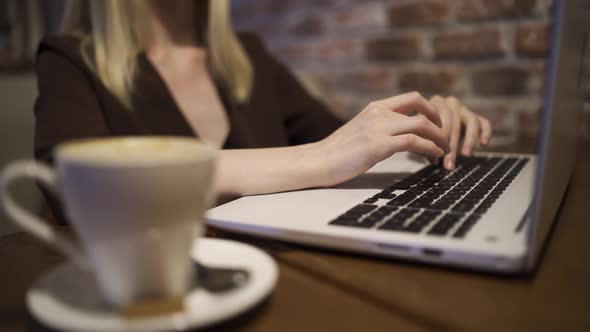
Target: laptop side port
x=431 y=252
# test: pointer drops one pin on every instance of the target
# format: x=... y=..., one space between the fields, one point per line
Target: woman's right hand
x=383 y=128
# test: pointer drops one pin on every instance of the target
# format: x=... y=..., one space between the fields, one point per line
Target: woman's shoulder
x=68 y=47
x=68 y=43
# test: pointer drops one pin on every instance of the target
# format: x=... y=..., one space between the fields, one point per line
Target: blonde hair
x=118 y=30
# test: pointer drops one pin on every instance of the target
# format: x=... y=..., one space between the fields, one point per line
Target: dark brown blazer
x=73 y=103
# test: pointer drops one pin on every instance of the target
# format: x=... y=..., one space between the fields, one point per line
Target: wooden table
x=320 y=290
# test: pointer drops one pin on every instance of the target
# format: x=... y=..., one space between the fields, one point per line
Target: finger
x=446 y=118
x=472 y=130
x=420 y=126
x=445 y=114
x=415 y=143
x=451 y=158
x=486 y=130
x=454 y=103
x=411 y=102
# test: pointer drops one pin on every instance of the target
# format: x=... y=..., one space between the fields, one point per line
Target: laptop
x=492 y=213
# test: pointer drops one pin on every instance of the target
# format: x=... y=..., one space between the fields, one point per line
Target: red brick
x=475 y=10
x=361 y=16
x=311 y=25
x=336 y=49
x=422 y=13
x=373 y=78
x=502 y=117
x=468 y=44
x=532 y=40
x=508 y=116
x=438 y=81
x=500 y=80
x=395 y=48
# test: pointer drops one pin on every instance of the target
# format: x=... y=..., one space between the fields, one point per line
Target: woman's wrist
x=314 y=167
x=260 y=171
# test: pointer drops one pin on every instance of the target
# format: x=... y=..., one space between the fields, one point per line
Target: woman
x=164 y=67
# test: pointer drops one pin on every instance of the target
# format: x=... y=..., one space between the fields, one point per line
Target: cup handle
x=28 y=221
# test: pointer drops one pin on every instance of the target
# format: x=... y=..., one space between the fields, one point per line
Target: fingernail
x=450 y=164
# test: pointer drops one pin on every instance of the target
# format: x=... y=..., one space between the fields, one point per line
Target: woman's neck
x=174 y=27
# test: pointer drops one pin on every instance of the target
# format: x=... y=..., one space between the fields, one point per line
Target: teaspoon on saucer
x=220 y=279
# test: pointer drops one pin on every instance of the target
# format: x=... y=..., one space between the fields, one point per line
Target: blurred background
x=490 y=53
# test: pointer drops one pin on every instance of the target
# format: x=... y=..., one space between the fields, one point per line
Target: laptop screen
x=562 y=111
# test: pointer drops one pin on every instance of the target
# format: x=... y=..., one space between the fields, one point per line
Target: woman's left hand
x=454 y=115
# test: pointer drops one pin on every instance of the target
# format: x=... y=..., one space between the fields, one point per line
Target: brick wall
x=491 y=53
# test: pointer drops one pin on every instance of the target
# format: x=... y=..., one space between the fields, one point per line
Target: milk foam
x=135 y=150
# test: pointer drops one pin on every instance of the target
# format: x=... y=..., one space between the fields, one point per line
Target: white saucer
x=67 y=298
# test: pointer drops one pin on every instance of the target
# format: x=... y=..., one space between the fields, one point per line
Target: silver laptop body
x=507 y=236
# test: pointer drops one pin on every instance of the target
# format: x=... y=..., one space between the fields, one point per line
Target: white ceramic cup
x=136 y=205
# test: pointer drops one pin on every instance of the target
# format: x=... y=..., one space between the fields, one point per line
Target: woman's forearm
x=379 y=131
x=259 y=171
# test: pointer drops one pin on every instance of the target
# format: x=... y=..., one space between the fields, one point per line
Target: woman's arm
x=379 y=131
x=257 y=171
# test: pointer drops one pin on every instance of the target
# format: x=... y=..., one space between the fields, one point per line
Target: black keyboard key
x=418 y=224
x=370 y=221
x=385 y=195
x=432 y=214
x=407 y=212
x=420 y=203
x=471 y=220
x=371 y=200
x=413 y=228
x=361 y=209
x=463 y=206
x=395 y=223
x=382 y=212
x=389 y=209
x=441 y=205
x=466 y=226
x=441 y=231
x=403 y=199
x=344 y=221
x=445 y=224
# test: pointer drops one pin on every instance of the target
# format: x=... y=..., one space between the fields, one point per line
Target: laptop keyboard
x=435 y=201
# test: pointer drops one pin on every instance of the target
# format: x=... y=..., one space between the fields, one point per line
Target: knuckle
x=374 y=111
x=415 y=96
x=421 y=121
x=409 y=140
x=436 y=98
x=452 y=99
